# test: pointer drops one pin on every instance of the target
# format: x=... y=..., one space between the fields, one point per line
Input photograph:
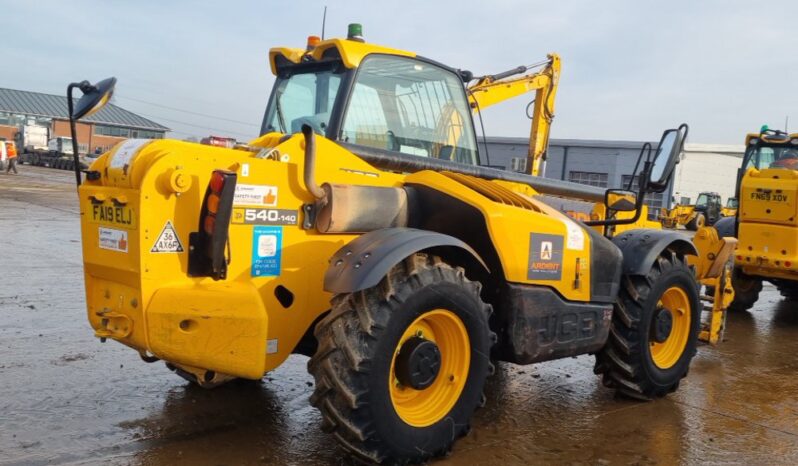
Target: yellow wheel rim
x=667 y=353
x=421 y=408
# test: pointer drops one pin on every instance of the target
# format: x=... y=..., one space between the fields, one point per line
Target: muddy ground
x=67 y=398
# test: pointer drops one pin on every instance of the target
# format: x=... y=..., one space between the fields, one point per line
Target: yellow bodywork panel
x=512 y=230
x=145 y=299
x=351 y=52
x=768 y=244
x=136 y=221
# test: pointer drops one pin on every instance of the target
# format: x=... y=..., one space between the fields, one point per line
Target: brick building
x=98 y=132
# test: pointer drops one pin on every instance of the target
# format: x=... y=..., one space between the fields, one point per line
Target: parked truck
x=32 y=138
x=57 y=153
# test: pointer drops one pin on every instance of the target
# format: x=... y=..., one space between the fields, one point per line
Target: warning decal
x=545 y=257
x=168 y=240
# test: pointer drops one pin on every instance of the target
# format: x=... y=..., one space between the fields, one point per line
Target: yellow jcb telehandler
x=766 y=221
x=361 y=230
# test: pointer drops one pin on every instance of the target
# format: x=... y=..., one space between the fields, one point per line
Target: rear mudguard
x=363 y=262
x=640 y=248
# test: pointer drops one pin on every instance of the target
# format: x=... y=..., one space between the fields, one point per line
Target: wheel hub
x=418 y=363
x=662 y=325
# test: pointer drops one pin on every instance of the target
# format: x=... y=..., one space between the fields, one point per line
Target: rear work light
x=209 y=246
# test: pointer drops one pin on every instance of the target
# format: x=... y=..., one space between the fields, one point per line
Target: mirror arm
x=72 y=128
x=643 y=184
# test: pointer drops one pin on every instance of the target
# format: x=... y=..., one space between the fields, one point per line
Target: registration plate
x=116 y=215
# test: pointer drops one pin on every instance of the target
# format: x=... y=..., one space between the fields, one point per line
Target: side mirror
x=670 y=146
x=620 y=200
x=94 y=97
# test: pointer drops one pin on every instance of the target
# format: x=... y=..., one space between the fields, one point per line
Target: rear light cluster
x=208 y=256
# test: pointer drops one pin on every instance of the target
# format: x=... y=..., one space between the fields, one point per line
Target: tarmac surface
x=65 y=398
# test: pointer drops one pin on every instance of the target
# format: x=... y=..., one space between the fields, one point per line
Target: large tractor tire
x=400 y=367
x=788 y=289
x=746 y=291
x=654 y=331
x=697 y=222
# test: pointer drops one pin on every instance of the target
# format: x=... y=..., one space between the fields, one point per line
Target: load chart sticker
x=545 y=257
x=255 y=195
x=113 y=239
x=167 y=241
x=267 y=244
x=126 y=151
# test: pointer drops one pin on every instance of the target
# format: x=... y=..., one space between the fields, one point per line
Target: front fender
x=641 y=247
x=365 y=260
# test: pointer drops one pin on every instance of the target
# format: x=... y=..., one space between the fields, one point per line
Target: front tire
x=654 y=331
x=697 y=222
x=367 y=402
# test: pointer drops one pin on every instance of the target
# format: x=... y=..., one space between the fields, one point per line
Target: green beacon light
x=763 y=128
x=355 y=32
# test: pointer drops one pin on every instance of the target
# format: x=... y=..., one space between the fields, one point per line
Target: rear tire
x=632 y=361
x=788 y=290
x=746 y=291
x=697 y=222
x=363 y=404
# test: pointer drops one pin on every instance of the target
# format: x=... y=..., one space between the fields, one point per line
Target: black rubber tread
x=692 y=225
x=746 y=291
x=347 y=365
x=788 y=289
x=625 y=362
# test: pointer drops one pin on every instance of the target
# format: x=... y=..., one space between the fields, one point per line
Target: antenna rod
x=323 y=22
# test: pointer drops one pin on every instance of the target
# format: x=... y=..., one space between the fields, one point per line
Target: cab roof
x=350 y=52
x=771 y=138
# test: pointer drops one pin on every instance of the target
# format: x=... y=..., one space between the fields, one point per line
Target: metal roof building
x=55 y=106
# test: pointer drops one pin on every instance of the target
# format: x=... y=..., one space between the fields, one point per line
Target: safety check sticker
x=267 y=244
x=112 y=239
x=255 y=195
x=545 y=257
x=167 y=241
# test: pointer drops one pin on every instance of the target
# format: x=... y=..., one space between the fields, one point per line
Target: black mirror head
x=94 y=97
x=666 y=158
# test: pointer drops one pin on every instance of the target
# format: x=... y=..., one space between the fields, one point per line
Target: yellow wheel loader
x=765 y=222
x=706 y=211
x=361 y=230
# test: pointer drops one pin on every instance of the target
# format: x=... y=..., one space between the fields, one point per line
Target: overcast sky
x=630 y=68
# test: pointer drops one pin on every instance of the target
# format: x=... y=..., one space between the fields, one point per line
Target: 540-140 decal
x=255 y=216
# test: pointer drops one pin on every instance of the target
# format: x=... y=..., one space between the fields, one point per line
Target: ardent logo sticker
x=545 y=257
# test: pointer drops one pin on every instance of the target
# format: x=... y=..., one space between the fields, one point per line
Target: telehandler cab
x=360 y=230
